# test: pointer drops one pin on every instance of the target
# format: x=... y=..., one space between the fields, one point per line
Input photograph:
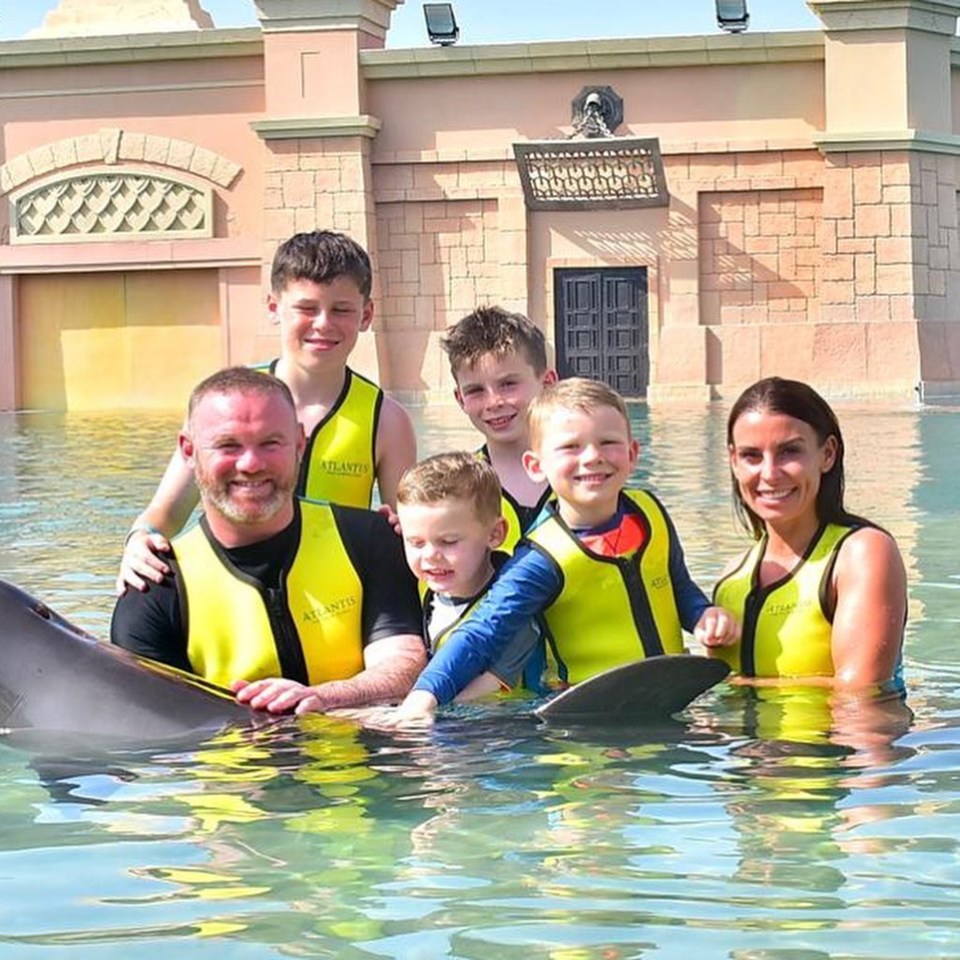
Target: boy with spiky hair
x=499 y=364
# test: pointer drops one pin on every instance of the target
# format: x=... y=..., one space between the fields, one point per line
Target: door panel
x=601 y=326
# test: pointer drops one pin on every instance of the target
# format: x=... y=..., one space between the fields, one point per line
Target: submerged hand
x=416 y=712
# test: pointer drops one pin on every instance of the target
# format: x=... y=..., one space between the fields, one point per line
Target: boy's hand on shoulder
x=717 y=627
x=390 y=515
x=141 y=563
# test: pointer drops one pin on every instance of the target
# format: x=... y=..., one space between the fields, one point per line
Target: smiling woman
x=822 y=594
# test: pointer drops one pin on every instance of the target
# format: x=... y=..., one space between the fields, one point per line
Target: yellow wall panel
x=108 y=341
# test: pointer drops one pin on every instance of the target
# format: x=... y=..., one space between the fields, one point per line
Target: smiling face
x=320 y=322
x=778 y=464
x=587 y=457
x=448 y=546
x=495 y=392
x=244 y=448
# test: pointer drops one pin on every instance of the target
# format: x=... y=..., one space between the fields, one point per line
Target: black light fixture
x=441 y=23
x=732 y=15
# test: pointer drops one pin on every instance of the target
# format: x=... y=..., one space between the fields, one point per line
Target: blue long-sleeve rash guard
x=526 y=585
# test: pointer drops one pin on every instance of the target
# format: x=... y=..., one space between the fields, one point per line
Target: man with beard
x=293 y=604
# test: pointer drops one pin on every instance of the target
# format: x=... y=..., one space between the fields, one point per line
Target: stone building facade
x=809 y=227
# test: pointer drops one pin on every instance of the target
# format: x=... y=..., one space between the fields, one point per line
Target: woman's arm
x=871 y=606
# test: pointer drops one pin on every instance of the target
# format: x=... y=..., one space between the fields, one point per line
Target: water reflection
x=762 y=824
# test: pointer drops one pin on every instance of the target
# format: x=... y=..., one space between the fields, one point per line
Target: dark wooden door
x=601 y=326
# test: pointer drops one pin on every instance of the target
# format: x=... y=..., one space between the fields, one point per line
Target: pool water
x=755 y=826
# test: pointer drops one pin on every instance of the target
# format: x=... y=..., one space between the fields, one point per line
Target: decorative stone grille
x=615 y=173
x=107 y=204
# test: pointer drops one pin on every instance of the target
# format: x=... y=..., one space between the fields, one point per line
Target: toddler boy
x=449 y=511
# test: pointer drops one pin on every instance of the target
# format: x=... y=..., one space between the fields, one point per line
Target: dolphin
x=58 y=679
x=639 y=692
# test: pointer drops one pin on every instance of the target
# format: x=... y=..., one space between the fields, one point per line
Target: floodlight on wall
x=441 y=23
x=732 y=15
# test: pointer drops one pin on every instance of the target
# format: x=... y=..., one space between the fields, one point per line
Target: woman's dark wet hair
x=796 y=399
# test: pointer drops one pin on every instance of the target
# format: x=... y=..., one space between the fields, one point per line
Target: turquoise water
x=755 y=829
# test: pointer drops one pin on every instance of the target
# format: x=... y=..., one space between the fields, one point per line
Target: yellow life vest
x=610 y=610
x=787 y=626
x=309 y=629
x=511 y=511
x=340 y=464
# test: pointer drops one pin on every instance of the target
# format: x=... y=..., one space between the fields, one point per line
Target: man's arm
x=390 y=667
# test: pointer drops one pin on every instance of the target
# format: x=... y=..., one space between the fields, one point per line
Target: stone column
x=317 y=132
x=890 y=282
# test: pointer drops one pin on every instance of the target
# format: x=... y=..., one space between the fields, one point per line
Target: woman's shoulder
x=868 y=547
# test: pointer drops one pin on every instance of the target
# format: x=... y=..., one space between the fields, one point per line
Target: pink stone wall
x=779 y=252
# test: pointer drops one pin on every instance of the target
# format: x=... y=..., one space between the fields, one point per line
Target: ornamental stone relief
x=109 y=204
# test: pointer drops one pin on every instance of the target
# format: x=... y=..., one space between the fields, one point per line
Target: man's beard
x=218 y=496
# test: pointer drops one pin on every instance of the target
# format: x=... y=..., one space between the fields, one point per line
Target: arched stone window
x=106 y=203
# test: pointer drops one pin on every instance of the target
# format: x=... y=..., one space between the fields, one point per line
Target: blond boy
x=604 y=566
x=449 y=511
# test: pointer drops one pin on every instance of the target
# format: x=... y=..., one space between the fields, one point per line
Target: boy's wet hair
x=574 y=393
x=321 y=256
x=497 y=331
x=241 y=380
x=453 y=476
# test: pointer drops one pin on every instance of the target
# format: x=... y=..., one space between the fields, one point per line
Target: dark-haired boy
x=498 y=360
x=356 y=436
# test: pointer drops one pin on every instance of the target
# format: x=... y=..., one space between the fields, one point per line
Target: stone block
x=65 y=152
x=839 y=351
x=837 y=267
x=180 y=153
x=787 y=351
x=895 y=278
x=740 y=354
x=298 y=188
x=873 y=309
x=867 y=185
x=681 y=356
x=892 y=351
x=902 y=307
x=865 y=282
x=894 y=250
x=872 y=221
x=202 y=162
x=837 y=291
x=155 y=150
